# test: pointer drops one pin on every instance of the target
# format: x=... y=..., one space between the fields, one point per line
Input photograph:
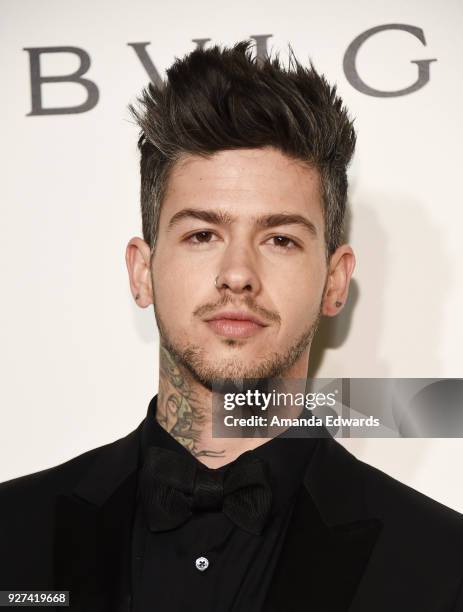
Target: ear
x=341 y=267
x=137 y=258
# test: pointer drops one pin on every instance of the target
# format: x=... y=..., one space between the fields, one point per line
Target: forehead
x=243 y=179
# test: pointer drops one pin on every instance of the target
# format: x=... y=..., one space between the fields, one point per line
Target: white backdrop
x=79 y=358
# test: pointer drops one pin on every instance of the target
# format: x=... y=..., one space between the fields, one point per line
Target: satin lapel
x=93 y=531
x=329 y=539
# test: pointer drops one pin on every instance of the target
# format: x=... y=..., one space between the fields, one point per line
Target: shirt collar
x=287 y=455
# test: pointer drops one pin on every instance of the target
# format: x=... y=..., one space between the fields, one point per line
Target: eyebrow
x=219 y=217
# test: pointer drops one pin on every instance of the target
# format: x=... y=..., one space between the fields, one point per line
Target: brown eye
x=202 y=237
x=284 y=242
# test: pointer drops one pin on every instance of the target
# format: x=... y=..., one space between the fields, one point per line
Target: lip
x=237 y=315
x=236 y=324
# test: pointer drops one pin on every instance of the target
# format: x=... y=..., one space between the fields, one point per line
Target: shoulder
x=349 y=486
x=30 y=506
x=43 y=486
x=420 y=533
x=394 y=500
x=421 y=538
x=384 y=495
x=419 y=544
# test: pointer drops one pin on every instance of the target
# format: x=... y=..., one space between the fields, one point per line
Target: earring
x=215 y=282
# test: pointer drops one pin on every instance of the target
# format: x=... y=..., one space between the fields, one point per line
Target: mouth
x=235 y=324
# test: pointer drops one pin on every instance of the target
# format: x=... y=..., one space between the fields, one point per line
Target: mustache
x=248 y=302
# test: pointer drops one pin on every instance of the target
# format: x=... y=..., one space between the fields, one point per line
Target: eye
x=284 y=242
x=203 y=237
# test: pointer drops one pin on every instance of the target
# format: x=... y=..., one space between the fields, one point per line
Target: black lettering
x=350 y=59
x=37 y=80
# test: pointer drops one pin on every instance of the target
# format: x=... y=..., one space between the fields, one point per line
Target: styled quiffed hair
x=225 y=98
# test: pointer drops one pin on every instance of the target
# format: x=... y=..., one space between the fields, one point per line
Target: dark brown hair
x=224 y=98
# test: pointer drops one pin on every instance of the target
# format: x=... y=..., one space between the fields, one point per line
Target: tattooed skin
x=179 y=410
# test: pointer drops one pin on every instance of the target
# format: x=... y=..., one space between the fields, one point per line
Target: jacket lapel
x=93 y=531
x=326 y=550
x=329 y=539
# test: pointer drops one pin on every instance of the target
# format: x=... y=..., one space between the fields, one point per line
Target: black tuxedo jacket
x=359 y=540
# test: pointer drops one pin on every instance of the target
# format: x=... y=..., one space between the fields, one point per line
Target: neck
x=184 y=411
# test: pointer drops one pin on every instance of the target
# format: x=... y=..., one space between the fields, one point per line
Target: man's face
x=227 y=218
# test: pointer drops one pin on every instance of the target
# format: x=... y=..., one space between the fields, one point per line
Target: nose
x=238 y=273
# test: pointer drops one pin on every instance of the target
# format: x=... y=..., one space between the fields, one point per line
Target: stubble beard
x=194 y=358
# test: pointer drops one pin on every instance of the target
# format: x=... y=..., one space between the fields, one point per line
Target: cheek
x=177 y=285
x=175 y=262
x=298 y=298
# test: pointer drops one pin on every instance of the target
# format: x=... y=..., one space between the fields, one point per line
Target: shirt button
x=202 y=563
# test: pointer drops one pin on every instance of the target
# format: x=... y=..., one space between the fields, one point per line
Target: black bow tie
x=173 y=486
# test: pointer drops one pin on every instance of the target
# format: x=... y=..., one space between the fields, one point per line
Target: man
x=243 y=195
